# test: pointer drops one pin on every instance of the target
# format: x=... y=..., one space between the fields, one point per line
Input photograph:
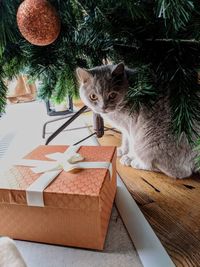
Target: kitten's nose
x=104 y=106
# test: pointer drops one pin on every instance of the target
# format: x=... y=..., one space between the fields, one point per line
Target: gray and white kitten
x=147 y=141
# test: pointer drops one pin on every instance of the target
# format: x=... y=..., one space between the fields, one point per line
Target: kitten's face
x=103 y=88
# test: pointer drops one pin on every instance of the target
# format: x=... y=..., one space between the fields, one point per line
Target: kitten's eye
x=112 y=95
x=93 y=97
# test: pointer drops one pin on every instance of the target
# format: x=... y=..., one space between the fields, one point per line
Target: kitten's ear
x=83 y=75
x=118 y=69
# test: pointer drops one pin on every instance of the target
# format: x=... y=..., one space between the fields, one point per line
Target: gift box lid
x=72 y=190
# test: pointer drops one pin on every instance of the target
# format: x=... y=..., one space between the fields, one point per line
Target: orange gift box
x=77 y=205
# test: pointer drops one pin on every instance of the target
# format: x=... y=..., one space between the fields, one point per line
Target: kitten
x=147 y=141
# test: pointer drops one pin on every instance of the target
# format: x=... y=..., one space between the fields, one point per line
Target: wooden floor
x=171 y=206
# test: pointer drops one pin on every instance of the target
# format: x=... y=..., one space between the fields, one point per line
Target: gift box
x=73 y=207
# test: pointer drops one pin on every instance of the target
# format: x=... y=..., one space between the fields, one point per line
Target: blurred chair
x=64 y=114
x=97 y=119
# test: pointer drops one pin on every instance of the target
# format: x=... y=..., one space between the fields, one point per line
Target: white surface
x=25 y=121
x=149 y=248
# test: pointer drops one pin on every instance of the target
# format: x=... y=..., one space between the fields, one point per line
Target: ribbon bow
x=67 y=161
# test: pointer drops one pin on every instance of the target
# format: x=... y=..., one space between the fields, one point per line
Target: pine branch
x=46 y=87
x=142 y=88
x=186 y=41
x=8 y=28
x=3 y=90
x=185 y=103
x=13 y=61
x=65 y=85
x=176 y=13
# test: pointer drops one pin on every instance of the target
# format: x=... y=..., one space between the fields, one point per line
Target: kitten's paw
x=121 y=151
x=126 y=160
x=138 y=165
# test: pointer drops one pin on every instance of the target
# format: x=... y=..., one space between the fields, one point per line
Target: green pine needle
x=142 y=88
x=176 y=13
x=3 y=90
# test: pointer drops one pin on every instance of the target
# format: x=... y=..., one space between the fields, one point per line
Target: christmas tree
x=160 y=38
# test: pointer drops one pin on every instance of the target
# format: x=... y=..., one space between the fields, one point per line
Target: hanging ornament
x=38 y=22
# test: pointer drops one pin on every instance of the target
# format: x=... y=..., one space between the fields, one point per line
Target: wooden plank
x=170 y=205
x=181 y=245
x=182 y=202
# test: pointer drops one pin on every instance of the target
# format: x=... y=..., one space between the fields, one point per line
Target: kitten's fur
x=147 y=141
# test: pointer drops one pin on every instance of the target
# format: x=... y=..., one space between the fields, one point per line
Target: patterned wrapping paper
x=77 y=204
x=86 y=182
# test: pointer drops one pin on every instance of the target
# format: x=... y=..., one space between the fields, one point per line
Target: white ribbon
x=67 y=161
